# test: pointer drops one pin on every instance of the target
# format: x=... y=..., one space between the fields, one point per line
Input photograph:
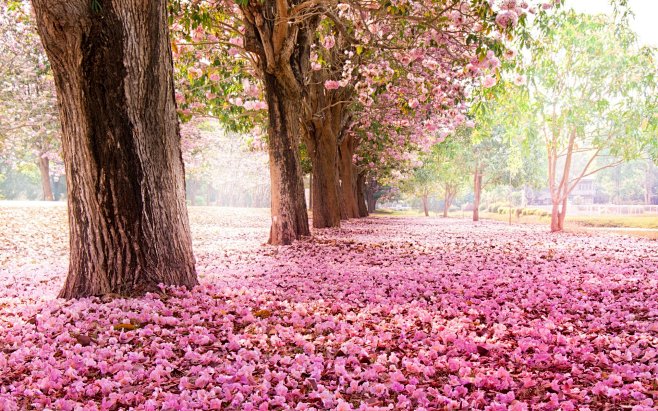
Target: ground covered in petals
x=385 y=313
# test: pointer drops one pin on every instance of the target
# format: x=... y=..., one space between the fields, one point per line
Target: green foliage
x=587 y=74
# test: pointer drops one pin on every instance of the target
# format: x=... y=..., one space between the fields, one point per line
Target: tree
x=29 y=127
x=594 y=91
x=501 y=144
x=423 y=182
x=129 y=230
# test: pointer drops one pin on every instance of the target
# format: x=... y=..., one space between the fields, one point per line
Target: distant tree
x=594 y=96
x=29 y=124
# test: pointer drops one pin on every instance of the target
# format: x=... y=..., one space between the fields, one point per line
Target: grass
x=646 y=225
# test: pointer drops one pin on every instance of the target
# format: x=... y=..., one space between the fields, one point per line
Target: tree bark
x=360 y=194
x=560 y=193
x=288 y=208
x=347 y=177
x=371 y=199
x=283 y=47
x=447 y=201
x=477 y=189
x=46 y=187
x=129 y=229
x=322 y=145
x=425 y=205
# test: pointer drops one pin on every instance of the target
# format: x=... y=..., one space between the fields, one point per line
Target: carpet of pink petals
x=385 y=313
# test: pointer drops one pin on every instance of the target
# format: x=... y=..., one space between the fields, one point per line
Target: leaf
x=125 y=327
x=482 y=351
x=262 y=314
x=83 y=340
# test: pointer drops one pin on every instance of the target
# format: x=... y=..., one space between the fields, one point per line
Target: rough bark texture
x=477 y=189
x=289 y=216
x=129 y=230
x=371 y=191
x=282 y=46
x=322 y=143
x=46 y=187
x=361 y=194
x=348 y=177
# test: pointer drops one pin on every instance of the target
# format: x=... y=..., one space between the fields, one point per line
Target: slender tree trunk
x=360 y=194
x=347 y=177
x=129 y=229
x=556 y=217
x=289 y=216
x=562 y=215
x=46 y=187
x=310 y=191
x=477 y=189
x=193 y=191
x=560 y=192
x=425 y=205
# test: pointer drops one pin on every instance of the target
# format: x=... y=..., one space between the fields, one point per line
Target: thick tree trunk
x=347 y=177
x=46 y=187
x=477 y=189
x=323 y=150
x=371 y=199
x=425 y=205
x=372 y=202
x=289 y=216
x=360 y=194
x=129 y=230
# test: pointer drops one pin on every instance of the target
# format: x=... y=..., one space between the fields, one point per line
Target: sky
x=643 y=23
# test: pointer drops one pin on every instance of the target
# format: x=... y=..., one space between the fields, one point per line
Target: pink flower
x=489 y=82
x=329 y=42
x=507 y=18
x=331 y=85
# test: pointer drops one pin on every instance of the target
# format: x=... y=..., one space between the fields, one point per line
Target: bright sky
x=643 y=23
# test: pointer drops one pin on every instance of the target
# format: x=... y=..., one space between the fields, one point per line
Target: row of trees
x=335 y=76
x=359 y=86
x=584 y=98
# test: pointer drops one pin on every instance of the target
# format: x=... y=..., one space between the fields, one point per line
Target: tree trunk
x=289 y=216
x=360 y=194
x=44 y=171
x=477 y=189
x=347 y=177
x=129 y=230
x=425 y=205
x=323 y=150
x=371 y=199
x=310 y=191
x=193 y=191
